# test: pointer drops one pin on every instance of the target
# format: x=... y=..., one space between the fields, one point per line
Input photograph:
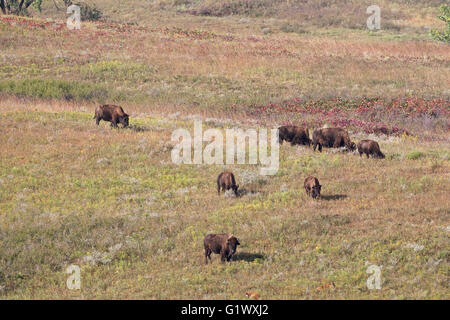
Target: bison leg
x=293 y=141
x=207 y=255
x=337 y=143
x=367 y=154
x=218 y=189
x=360 y=154
x=320 y=147
x=222 y=256
x=114 y=122
x=97 y=120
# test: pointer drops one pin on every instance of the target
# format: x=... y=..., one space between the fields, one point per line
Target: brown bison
x=294 y=135
x=111 y=113
x=226 y=181
x=332 y=138
x=312 y=187
x=370 y=147
x=224 y=244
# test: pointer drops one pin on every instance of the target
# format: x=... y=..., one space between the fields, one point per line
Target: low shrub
x=87 y=12
x=414 y=155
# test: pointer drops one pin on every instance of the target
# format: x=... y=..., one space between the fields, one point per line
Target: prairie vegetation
x=113 y=202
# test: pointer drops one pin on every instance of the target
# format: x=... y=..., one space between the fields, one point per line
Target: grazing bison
x=312 y=187
x=226 y=181
x=294 y=135
x=111 y=113
x=370 y=147
x=224 y=244
x=332 y=138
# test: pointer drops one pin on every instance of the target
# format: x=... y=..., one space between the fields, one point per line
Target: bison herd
x=226 y=244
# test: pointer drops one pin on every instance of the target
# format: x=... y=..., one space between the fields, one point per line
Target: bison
x=370 y=147
x=226 y=181
x=224 y=244
x=111 y=113
x=294 y=135
x=312 y=187
x=332 y=138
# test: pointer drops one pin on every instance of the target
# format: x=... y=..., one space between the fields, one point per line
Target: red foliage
x=363 y=114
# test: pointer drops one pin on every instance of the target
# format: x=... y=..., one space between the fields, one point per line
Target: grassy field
x=112 y=201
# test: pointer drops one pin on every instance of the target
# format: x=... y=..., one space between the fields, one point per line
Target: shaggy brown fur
x=370 y=147
x=294 y=135
x=226 y=181
x=224 y=244
x=111 y=113
x=332 y=138
x=312 y=187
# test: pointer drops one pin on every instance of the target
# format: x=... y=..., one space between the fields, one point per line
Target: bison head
x=315 y=191
x=380 y=155
x=235 y=189
x=352 y=146
x=308 y=142
x=232 y=243
x=124 y=120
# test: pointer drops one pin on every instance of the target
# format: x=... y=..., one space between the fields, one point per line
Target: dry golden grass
x=213 y=69
x=112 y=201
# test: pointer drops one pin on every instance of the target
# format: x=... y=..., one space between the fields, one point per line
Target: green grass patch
x=54 y=89
x=414 y=155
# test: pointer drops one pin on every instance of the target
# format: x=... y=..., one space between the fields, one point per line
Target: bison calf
x=332 y=138
x=312 y=187
x=224 y=244
x=111 y=113
x=370 y=147
x=294 y=135
x=226 y=181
